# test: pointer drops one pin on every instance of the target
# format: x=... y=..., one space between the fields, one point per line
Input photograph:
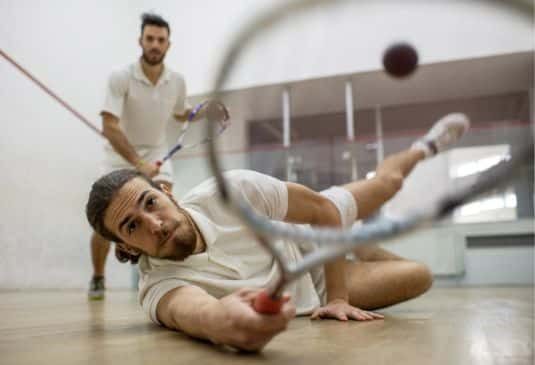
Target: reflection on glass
x=464 y=164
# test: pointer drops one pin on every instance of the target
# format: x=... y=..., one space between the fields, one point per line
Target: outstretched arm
x=230 y=320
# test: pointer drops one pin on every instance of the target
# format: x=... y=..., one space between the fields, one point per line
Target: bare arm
x=230 y=320
x=306 y=206
x=119 y=142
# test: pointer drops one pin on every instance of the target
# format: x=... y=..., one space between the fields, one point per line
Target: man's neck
x=153 y=72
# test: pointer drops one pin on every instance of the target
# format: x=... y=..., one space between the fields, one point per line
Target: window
x=464 y=164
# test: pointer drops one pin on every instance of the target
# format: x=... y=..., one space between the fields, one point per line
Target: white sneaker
x=444 y=133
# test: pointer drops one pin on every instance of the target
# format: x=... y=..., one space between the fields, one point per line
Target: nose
x=156 y=226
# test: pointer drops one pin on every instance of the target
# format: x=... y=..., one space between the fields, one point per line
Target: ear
x=139 y=41
x=166 y=190
x=129 y=250
x=123 y=256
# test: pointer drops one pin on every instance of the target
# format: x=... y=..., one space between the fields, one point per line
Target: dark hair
x=154 y=19
x=102 y=193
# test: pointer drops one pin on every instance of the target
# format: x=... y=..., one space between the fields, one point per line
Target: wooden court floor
x=445 y=326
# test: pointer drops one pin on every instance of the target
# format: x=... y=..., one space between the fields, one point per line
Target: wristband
x=140 y=163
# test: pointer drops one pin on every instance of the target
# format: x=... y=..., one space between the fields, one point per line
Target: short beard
x=182 y=251
x=150 y=62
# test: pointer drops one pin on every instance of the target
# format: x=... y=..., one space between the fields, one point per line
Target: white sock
x=424 y=147
x=444 y=133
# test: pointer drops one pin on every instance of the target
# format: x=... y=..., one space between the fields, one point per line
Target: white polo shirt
x=144 y=109
x=233 y=259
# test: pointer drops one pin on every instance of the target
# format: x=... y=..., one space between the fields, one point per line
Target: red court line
x=368 y=138
x=51 y=93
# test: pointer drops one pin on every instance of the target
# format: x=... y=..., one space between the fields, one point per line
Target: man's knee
x=391 y=181
x=420 y=279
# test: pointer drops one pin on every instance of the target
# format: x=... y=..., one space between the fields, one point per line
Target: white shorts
x=347 y=207
x=344 y=202
x=113 y=161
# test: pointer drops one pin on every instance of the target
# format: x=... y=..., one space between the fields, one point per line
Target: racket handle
x=159 y=163
x=266 y=304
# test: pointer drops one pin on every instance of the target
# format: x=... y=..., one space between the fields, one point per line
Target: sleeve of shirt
x=266 y=194
x=150 y=297
x=181 y=103
x=115 y=94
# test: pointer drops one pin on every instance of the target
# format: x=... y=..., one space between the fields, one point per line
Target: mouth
x=171 y=234
x=174 y=247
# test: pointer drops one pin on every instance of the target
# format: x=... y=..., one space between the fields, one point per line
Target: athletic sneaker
x=445 y=132
x=96 y=288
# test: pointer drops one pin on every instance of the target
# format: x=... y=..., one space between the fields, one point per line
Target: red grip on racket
x=159 y=163
x=266 y=304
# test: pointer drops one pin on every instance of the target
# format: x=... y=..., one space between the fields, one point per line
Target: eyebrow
x=139 y=200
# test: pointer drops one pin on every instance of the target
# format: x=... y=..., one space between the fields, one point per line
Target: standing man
x=140 y=100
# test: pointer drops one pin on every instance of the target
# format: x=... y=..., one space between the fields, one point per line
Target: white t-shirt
x=144 y=109
x=233 y=259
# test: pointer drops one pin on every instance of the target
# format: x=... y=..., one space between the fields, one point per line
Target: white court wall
x=48 y=159
x=330 y=42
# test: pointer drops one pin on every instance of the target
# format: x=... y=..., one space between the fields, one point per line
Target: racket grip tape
x=266 y=304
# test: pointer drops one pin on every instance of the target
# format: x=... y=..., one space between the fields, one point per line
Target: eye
x=151 y=202
x=131 y=227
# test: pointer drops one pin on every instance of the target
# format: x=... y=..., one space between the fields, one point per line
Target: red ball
x=400 y=60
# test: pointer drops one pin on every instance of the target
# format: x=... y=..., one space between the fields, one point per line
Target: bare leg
x=382 y=278
x=99 y=251
x=374 y=285
x=371 y=194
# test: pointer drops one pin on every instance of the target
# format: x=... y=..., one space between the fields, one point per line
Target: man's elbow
x=109 y=130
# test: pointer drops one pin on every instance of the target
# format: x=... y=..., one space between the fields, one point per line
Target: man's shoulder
x=122 y=74
x=235 y=178
x=209 y=185
x=177 y=76
x=239 y=175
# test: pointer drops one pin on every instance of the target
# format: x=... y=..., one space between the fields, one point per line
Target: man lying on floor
x=198 y=262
